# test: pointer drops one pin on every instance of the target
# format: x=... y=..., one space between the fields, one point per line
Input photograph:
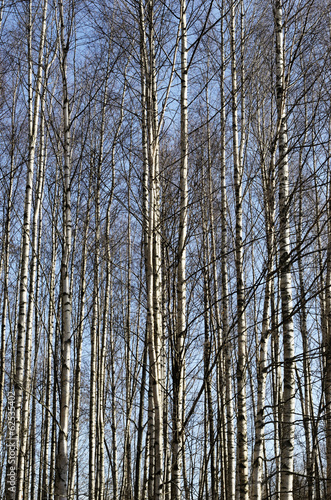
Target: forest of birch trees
x=165 y=249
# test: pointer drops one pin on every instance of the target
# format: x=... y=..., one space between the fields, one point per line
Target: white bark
x=231 y=457
x=150 y=129
x=45 y=481
x=34 y=110
x=179 y=355
x=61 y=478
x=94 y=342
x=242 y=334
x=33 y=299
x=287 y=437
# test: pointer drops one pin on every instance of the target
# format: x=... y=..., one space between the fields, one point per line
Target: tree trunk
x=242 y=334
x=61 y=479
x=287 y=437
x=34 y=108
x=179 y=354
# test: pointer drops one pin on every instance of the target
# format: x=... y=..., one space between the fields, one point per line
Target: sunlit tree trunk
x=152 y=236
x=287 y=437
x=48 y=481
x=61 y=478
x=242 y=466
x=94 y=341
x=179 y=354
x=34 y=110
x=114 y=454
x=156 y=339
x=230 y=478
x=27 y=383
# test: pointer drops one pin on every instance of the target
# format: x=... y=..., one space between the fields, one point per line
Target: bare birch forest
x=165 y=249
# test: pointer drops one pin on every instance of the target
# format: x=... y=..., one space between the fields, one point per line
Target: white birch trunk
x=152 y=252
x=113 y=390
x=34 y=109
x=94 y=342
x=27 y=387
x=179 y=355
x=242 y=335
x=287 y=437
x=45 y=481
x=231 y=457
x=61 y=477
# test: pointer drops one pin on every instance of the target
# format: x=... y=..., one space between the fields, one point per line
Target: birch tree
x=61 y=479
x=34 y=111
x=179 y=359
x=238 y=178
x=287 y=438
